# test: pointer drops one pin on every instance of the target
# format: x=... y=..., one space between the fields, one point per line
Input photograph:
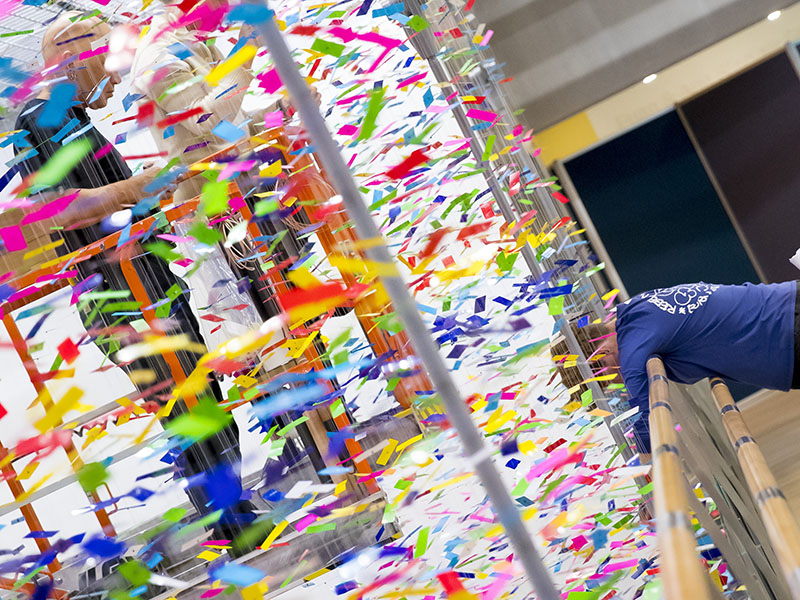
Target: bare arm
x=92 y=205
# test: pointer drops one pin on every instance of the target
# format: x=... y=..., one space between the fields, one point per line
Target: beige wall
x=691 y=76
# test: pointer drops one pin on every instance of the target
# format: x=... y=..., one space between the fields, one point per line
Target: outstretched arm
x=636 y=383
x=92 y=205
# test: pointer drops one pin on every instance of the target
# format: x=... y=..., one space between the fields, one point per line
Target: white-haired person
x=105 y=185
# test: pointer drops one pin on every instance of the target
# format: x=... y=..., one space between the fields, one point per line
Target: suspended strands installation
x=425 y=347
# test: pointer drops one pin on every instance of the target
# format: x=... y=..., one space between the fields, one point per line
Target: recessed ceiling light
x=650 y=78
x=774 y=15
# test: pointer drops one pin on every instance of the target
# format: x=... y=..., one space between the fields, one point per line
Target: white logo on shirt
x=681 y=299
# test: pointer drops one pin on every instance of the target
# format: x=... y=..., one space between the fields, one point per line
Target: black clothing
x=158 y=281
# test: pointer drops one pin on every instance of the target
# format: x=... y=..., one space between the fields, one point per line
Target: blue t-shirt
x=742 y=333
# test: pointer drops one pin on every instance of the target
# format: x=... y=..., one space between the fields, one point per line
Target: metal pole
x=423 y=44
x=549 y=207
x=477 y=452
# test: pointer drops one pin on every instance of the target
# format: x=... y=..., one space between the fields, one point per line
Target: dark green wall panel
x=656 y=210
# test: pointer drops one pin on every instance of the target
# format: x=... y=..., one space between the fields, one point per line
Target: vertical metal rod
x=549 y=207
x=424 y=44
x=426 y=349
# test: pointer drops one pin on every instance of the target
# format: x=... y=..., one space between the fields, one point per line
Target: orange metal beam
x=33 y=374
x=311 y=355
x=9 y=473
x=29 y=588
x=140 y=295
x=312 y=187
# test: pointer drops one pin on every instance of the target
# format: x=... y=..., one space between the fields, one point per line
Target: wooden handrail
x=781 y=526
x=682 y=574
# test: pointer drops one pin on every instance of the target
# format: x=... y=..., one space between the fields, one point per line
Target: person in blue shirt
x=743 y=333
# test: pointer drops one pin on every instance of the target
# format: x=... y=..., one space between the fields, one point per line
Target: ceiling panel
x=566 y=55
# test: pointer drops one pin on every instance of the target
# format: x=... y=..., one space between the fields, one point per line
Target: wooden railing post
x=682 y=573
x=781 y=526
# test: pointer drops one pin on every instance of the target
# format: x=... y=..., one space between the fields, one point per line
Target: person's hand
x=137 y=183
x=246 y=31
x=149 y=172
x=168 y=189
x=316 y=95
x=287 y=108
x=140 y=184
